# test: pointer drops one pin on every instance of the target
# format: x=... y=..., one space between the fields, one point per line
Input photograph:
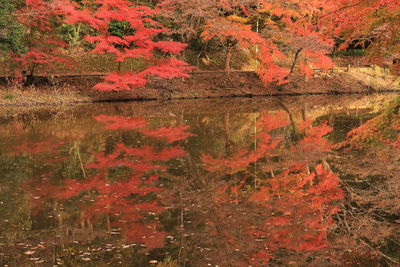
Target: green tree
x=11 y=32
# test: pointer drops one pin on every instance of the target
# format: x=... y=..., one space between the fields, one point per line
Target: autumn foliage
x=298 y=200
x=98 y=15
x=281 y=36
x=122 y=185
x=366 y=24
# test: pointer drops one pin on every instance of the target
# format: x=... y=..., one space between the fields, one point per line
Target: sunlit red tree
x=138 y=43
x=272 y=30
x=42 y=40
x=365 y=24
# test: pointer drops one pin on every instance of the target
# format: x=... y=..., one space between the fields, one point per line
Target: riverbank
x=74 y=89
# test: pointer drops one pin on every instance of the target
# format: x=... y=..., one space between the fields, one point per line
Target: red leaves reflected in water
x=140 y=159
x=241 y=159
x=146 y=234
x=120 y=122
x=383 y=131
x=374 y=131
x=119 y=185
x=298 y=203
x=314 y=140
x=148 y=152
x=170 y=134
x=104 y=161
x=238 y=162
x=261 y=258
x=301 y=205
x=274 y=121
x=37 y=148
x=122 y=198
x=41 y=190
x=111 y=196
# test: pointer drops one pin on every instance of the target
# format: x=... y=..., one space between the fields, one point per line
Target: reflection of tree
x=369 y=163
x=269 y=191
x=377 y=132
x=295 y=204
x=121 y=186
x=242 y=157
x=300 y=209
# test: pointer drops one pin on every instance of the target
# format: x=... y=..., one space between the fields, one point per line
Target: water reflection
x=229 y=189
x=295 y=198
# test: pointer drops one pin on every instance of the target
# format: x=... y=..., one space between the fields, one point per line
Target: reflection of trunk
x=296 y=56
x=90 y=225
x=219 y=223
x=331 y=118
x=108 y=223
x=55 y=254
x=295 y=136
x=193 y=168
x=303 y=113
x=181 y=206
x=230 y=44
x=194 y=171
x=228 y=140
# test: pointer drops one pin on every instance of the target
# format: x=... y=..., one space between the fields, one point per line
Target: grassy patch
x=9 y=97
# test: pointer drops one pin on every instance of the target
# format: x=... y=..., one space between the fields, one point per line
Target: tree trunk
x=294 y=135
x=229 y=49
x=227 y=131
x=228 y=59
x=296 y=56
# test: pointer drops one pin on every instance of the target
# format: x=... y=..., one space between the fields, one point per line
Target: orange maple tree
x=371 y=24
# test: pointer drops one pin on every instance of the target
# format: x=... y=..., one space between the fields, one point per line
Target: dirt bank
x=78 y=89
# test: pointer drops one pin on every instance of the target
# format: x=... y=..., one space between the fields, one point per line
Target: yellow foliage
x=238 y=19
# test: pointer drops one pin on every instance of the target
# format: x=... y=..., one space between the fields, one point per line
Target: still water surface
x=199 y=183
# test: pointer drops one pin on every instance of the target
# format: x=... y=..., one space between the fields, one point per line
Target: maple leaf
x=168 y=46
x=121 y=81
x=171 y=68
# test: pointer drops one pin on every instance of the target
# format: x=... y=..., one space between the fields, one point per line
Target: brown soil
x=221 y=84
x=205 y=84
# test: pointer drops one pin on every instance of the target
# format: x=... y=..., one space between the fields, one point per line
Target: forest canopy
x=170 y=37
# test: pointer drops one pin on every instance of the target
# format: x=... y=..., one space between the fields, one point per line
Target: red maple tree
x=370 y=24
x=138 y=43
x=44 y=45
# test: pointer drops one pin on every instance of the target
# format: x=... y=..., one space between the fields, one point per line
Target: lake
x=292 y=181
